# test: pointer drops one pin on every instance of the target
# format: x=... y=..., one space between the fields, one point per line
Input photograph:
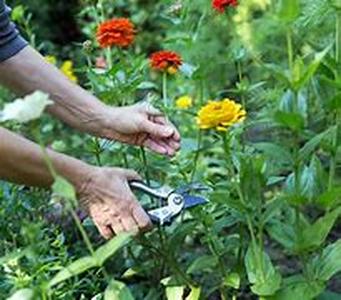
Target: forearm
x=23 y=162
x=28 y=71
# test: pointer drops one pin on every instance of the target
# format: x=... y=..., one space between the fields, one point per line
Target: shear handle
x=141 y=186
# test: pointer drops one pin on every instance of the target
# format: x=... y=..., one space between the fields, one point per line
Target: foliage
x=269 y=228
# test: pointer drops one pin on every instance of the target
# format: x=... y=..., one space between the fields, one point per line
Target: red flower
x=118 y=32
x=166 y=61
x=221 y=5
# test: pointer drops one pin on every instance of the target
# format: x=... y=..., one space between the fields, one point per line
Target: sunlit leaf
x=77 y=267
x=262 y=275
x=24 y=294
x=117 y=290
x=109 y=249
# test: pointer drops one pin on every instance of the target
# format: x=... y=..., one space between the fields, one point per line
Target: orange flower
x=220 y=5
x=118 y=32
x=166 y=61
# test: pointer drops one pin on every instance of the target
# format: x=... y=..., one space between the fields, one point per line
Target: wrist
x=74 y=170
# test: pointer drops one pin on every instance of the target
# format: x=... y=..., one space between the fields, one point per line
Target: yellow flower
x=51 y=59
x=184 y=102
x=220 y=115
x=67 y=69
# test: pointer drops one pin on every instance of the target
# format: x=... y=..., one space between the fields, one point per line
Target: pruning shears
x=175 y=200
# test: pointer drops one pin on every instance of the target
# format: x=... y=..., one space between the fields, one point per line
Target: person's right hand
x=110 y=203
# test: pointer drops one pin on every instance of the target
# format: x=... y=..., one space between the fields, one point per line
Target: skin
x=103 y=192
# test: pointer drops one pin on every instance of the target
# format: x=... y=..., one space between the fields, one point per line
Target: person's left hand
x=141 y=125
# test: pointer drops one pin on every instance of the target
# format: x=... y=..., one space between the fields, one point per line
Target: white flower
x=27 y=109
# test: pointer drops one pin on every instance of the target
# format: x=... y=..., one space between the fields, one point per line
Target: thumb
x=131 y=174
x=157 y=130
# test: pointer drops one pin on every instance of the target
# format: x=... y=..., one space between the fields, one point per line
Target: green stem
x=164 y=89
x=290 y=50
x=335 y=115
x=145 y=165
x=197 y=155
x=240 y=76
x=82 y=231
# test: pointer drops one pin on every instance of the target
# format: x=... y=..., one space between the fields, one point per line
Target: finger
x=173 y=144
x=141 y=218
x=163 y=121
x=164 y=143
x=155 y=146
x=129 y=224
x=158 y=130
x=105 y=231
x=131 y=174
x=117 y=226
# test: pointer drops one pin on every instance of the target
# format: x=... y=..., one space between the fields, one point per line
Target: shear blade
x=191 y=201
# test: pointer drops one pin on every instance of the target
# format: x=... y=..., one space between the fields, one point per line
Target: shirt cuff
x=12 y=47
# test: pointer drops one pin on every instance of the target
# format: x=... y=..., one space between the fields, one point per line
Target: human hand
x=142 y=125
x=110 y=203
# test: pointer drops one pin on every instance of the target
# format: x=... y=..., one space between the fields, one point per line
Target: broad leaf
x=262 y=275
x=109 y=249
x=297 y=287
x=293 y=121
x=328 y=264
x=314 y=235
x=24 y=294
x=76 y=268
x=312 y=144
x=117 y=290
x=289 y=10
x=202 y=263
x=194 y=294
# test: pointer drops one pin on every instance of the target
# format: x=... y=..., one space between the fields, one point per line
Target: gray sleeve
x=10 y=40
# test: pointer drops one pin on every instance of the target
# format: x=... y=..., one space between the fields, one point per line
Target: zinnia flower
x=166 y=61
x=118 y=32
x=220 y=115
x=184 y=102
x=67 y=69
x=221 y=5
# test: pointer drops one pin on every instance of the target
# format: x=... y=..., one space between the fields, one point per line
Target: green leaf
x=232 y=280
x=291 y=120
x=328 y=264
x=330 y=198
x=314 y=235
x=313 y=143
x=23 y=294
x=265 y=279
x=76 y=268
x=297 y=287
x=283 y=233
x=174 y=292
x=117 y=290
x=194 y=294
x=329 y=296
x=311 y=69
x=335 y=102
x=275 y=152
x=289 y=10
x=202 y=263
x=109 y=249
x=64 y=189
